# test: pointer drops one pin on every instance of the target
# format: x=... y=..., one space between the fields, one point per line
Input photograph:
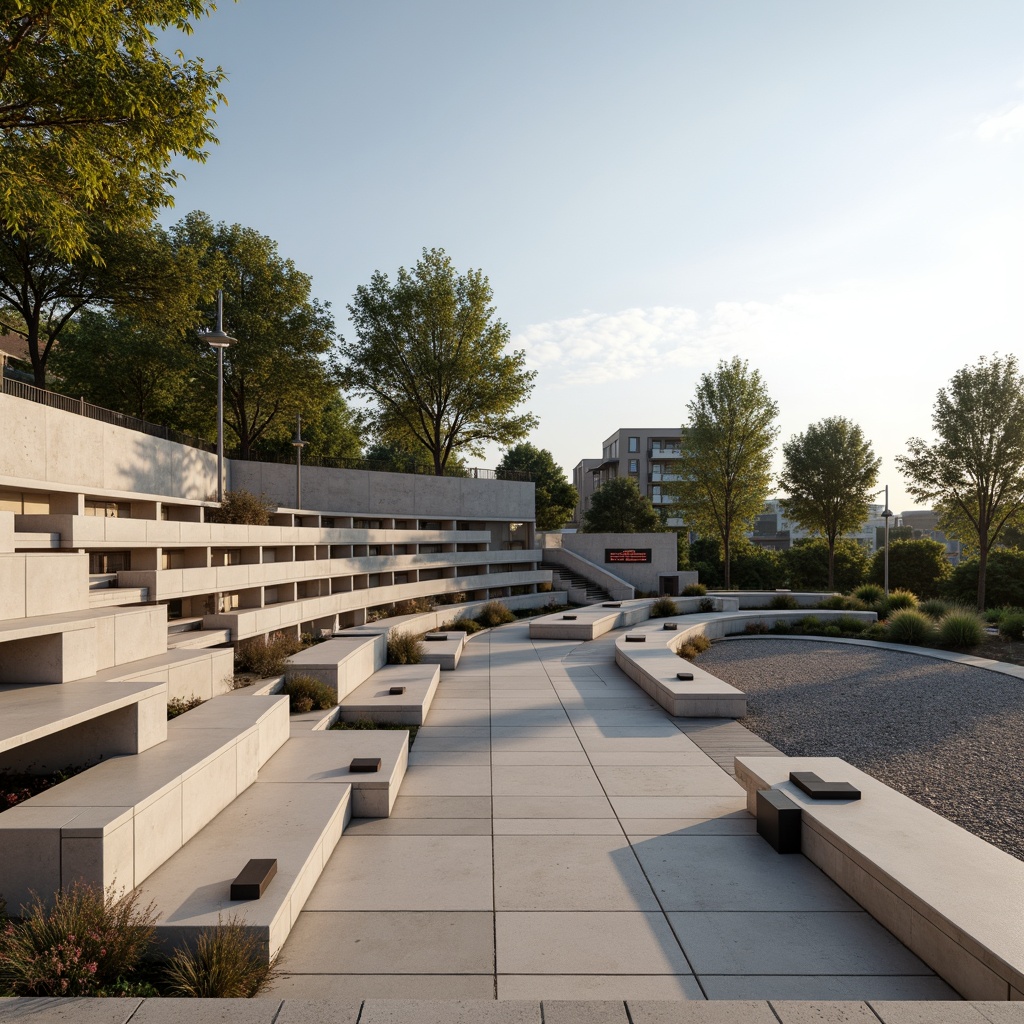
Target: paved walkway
x=559 y=837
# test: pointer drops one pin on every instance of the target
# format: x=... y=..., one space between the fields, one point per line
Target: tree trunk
x=727 y=547
x=831 y=563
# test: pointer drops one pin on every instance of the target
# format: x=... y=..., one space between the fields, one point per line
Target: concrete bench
x=373 y=700
x=443 y=649
x=589 y=623
x=296 y=824
x=952 y=898
x=117 y=822
x=342 y=663
x=51 y=725
x=323 y=758
x=648 y=655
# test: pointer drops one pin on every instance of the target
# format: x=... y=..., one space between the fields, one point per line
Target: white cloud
x=1008 y=124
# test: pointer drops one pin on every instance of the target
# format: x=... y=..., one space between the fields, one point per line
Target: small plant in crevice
x=367 y=723
x=494 y=613
x=707 y=604
x=692 y=646
x=404 y=648
x=266 y=657
x=179 y=705
x=18 y=786
x=695 y=590
x=463 y=626
x=663 y=607
x=306 y=694
x=226 y=962
x=89 y=939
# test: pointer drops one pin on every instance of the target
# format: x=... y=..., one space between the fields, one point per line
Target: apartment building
x=648 y=455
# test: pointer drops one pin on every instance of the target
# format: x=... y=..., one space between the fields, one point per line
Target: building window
x=634 y=465
x=634 y=444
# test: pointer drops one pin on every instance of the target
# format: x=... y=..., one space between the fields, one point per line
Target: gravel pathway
x=949 y=736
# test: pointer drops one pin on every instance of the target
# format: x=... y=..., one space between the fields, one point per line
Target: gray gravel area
x=949 y=736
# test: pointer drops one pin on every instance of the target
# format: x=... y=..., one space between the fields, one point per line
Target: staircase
x=565 y=579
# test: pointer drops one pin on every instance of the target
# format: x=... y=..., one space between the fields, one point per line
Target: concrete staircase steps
x=198 y=638
x=566 y=579
x=373 y=699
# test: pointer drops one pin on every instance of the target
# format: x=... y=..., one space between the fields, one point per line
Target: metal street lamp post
x=219 y=340
x=298 y=444
x=887 y=515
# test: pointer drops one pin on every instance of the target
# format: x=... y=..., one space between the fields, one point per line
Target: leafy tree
x=706 y=557
x=432 y=356
x=555 y=497
x=917 y=565
x=1005 y=583
x=726 y=453
x=758 y=568
x=829 y=474
x=92 y=115
x=974 y=473
x=282 y=364
x=42 y=291
x=618 y=507
x=124 y=363
x=333 y=432
x=808 y=562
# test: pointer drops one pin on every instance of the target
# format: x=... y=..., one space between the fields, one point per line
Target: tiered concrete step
x=115 y=597
x=444 y=649
x=118 y=822
x=296 y=824
x=342 y=663
x=197 y=638
x=589 y=623
x=36 y=541
x=190 y=672
x=374 y=700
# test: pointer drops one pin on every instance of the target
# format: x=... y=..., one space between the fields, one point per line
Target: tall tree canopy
x=282 y=363
x=973 y=474
x=555 y=497
x=431 y=355
x=92 y=115
x=618 y=507
x=726 y=452
x=828 y=477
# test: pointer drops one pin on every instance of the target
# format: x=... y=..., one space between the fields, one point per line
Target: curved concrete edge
x=654 y=664
x=971 y=660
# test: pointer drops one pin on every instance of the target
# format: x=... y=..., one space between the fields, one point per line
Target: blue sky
x=833 y=191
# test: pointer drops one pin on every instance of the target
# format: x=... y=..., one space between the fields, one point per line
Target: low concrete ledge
x=295 y=824
x=342 y=663
x=654 y=664
x=443 y=649
x=373 y=700
x=591 y=622
x=119 y=821
x=950 y=897
x=324 y=758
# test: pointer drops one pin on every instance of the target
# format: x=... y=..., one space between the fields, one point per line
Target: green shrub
x=1004 y=579
x=707 y=604
x=994 y=616
x=266 y=657
x=368 y=723
x=876 y=631
x=694 y=590
x=807 y=563
x=909 y=626
x=781 y=628
x=404 y=648
x=1012 y=627
x=494 y=613
x=870 y=593
x=243 y=508
x=809 y=624
x=783 y=602
x=414 y=606
x=851 y=624
x=179 y=705
x=934 y=607
x=227 y=962
x=755 y=628
x=917 y=565
x=663 y=607
x=463 y=625
x=961 y=629
x=897 y=601
x=831 y=629
x=696 y=644
x=88 y=940
x=842 y=603
x=306 y=693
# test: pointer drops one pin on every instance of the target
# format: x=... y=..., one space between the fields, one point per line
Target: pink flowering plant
x=84 y=943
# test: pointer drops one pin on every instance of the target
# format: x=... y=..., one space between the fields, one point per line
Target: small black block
x=253 y=879
x=778 y=821
x=568 y=616
x=365 y=764
x=685 y=676
x=636 y=639
x=396 y=690
x=433 y=637
x=817 y=789
x=612 y=604
x=670 y=625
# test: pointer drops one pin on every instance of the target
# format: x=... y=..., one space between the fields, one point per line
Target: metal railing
x=55 y=400
x=31 y=393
